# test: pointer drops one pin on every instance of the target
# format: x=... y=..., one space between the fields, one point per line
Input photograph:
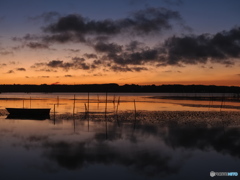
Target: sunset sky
x=125 y=42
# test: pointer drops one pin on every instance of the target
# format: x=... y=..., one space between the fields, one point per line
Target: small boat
x=28 y=113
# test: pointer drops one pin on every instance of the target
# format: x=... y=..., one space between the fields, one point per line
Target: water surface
x=71 y=148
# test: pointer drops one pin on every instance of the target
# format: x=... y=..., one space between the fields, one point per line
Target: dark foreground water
x=82 y=149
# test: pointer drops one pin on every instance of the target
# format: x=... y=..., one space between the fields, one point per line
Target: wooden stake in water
x=117 y=110
x=106 y=115
x=222 y=103
x=86 y=110
x=135 y=114
x=88 y=101
x=106 y=106
x=118 y=105
x=54 y=113
x=98 y=101
x=114 y=102
x=73 y=104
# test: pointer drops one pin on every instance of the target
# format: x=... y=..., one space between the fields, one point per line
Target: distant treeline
x=117 y=88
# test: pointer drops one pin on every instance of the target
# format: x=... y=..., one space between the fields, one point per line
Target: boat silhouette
x=28 y=113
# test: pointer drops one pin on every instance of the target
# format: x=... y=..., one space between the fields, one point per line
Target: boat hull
x=26 y=113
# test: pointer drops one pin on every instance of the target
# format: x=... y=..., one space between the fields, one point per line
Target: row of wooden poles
x=87 y=107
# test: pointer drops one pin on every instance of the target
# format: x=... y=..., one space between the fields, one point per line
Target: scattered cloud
x=75 y=63
x=73 y=50
x=90 y=55
x=36 y=45
x=68 y=75
x=221 y=48
x=5 y=52
x=3 y=65
x=133 y=56
x=99 y=74
x=45 y=69
x=21 y=69
x=10 y=72
x=43 y=76
x=117 y=68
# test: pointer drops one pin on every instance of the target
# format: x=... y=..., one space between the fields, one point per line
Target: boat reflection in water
x=27 y=113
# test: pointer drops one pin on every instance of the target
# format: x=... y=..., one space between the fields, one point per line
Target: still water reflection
x=144 y=101
x=80 y=149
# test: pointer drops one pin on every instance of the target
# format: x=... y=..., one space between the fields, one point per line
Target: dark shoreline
x=133 y=88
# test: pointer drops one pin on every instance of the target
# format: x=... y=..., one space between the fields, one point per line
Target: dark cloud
x=134 y=46
x=37 y=65
x=55 y=63
x=73 y=50
x=169 y=71
x=99 y=74
x=150 y=20
x=21 y=69
x=90 y=55
x=122 y=56
x=64 y=37
x=31 y=41
x=27 y=37
x=218 y=48
x=44 y=69
x=75 y=63
x=75 y=27
x=111 y=48
x=36 y=45
x=117 y=68
x=222 y=48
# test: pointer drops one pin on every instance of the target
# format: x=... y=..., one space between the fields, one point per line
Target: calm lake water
x=82 y=149
x=97 y=101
